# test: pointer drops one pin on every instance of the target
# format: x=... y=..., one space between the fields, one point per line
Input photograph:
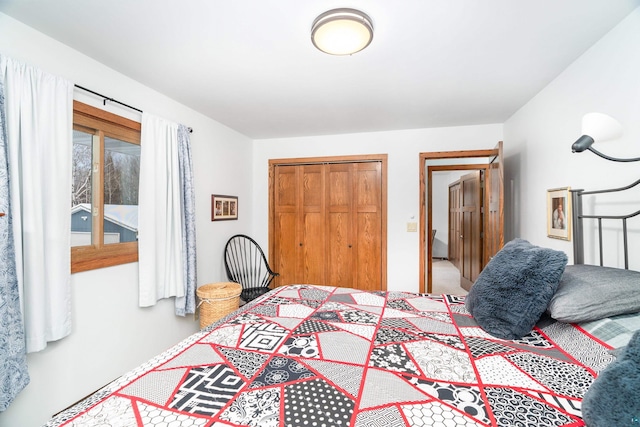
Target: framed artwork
x=223 y=208
x=559 y=213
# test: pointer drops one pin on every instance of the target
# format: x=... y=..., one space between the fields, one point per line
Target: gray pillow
x=514 y=289
x=591 y=292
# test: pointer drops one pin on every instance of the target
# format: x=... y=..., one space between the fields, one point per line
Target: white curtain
x=160 y=244
x=39 y=114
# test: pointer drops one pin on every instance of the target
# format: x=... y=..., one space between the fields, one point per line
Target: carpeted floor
x=446 y=278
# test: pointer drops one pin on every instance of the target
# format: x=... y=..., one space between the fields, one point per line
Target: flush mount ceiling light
x=342 y=31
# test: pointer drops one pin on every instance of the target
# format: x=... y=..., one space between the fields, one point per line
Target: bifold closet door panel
x=299 y=224
x=312 y=222
x=339 y=229
x=368 y=226
x=286 y=214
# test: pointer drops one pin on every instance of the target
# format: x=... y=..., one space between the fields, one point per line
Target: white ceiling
x=250 y=64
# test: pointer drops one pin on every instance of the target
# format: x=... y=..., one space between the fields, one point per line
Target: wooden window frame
x=98 y=255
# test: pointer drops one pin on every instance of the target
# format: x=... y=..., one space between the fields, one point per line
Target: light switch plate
x=412 y=227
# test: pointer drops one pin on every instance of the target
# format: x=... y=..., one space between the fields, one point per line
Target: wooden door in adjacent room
x=494 y=216
x=471 y=228
x=454 y=224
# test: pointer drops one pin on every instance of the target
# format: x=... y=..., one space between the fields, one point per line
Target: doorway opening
x=481 y=215
x=456 y=211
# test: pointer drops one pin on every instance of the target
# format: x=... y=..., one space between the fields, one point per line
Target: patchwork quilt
x=323 y=356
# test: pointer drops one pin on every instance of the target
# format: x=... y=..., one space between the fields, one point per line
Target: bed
x=312 y=355
x=306 y=355
x=333 y=355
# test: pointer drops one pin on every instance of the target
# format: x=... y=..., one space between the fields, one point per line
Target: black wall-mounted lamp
x=598 y=127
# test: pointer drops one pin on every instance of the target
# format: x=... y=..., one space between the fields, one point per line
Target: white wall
x=538 y=140
x=111 y=335
x=403 y=148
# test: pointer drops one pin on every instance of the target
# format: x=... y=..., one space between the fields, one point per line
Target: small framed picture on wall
x=559 y=213
x=223 y=208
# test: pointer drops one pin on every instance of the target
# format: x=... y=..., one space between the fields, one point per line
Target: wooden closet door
x=327 y=223
x=286 y=203
x=312 y=235
x=339 y=225
x=368 y=226
x=299 y=223
x=354 y=225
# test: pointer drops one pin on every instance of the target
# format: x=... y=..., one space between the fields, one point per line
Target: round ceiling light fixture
x=342 y=31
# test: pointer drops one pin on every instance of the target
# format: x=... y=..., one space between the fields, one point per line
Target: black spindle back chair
x=246 y=264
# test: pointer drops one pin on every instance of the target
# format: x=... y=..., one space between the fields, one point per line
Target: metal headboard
x=578 y=227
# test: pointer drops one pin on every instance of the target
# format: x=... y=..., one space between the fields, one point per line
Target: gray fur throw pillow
x=613 y=399
x=514 y=289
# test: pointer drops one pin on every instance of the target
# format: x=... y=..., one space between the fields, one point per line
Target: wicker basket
x=217 y=300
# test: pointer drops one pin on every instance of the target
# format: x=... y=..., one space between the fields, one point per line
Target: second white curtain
x=160 y=229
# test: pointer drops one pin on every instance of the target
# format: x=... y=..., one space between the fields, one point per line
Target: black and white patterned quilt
x=323 y=356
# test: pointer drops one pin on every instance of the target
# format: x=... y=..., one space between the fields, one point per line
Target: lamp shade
x=601 y=127
x=597 y=127
x=342 y=31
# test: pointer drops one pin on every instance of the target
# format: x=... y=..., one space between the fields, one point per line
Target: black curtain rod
x=106 y=98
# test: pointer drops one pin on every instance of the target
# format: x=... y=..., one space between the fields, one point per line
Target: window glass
x=81 y=223
x=121 y=177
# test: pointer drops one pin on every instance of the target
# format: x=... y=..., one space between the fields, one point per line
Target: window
x=104 y=206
